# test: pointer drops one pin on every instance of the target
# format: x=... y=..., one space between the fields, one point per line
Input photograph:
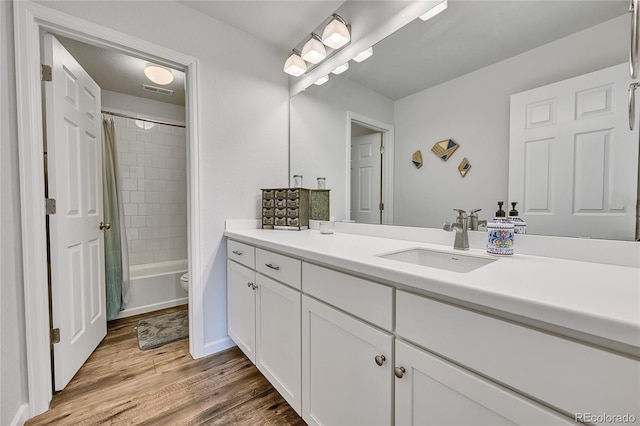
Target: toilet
x=184 y=282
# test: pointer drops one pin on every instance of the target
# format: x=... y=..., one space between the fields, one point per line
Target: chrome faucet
x=461 y=241
x=474 y=223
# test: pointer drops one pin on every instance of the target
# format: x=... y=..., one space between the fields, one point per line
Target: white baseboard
x=22 y=415
x=218 y=345
x=152 y=307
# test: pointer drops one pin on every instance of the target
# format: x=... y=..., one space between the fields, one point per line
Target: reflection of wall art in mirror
x=445 y=149
x=464 y=167
x=416 y=158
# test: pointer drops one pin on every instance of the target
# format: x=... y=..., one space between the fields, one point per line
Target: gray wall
x=13 y=368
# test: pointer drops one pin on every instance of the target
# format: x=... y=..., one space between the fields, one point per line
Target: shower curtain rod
x=143 y=119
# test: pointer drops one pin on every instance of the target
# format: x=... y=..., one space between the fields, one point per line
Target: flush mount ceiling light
x=295 y=65
x=336 y=34
x=158 y=75
x=321 y=80
x=342 y=68
x=313 y=50
x=434 y=10
x=364 y=55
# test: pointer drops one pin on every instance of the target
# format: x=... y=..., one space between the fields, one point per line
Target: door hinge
x=381 y=149
x=45 y=73
x=55 y=335
x=381 y=206
x=50 y=205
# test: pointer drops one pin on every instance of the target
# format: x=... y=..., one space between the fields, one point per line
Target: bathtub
x=155 y=286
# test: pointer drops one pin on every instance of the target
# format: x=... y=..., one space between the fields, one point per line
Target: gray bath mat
x=156 y=331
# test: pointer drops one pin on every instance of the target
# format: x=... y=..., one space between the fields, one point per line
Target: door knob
x=103 y=225
x=380 y=359
x=399 y=372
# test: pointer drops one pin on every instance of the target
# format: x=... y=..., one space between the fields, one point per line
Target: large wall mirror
x=500 y=78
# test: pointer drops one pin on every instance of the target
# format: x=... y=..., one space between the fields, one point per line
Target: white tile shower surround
x=154 y=190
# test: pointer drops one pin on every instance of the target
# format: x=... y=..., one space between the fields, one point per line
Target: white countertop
x=596 y=299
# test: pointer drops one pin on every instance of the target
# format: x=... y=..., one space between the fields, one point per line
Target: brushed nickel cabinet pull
x=399 y=372
x=380 y=359
x=272 y=266
x=238 y=252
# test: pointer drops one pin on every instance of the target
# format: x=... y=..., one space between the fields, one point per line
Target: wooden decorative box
x=285 y=208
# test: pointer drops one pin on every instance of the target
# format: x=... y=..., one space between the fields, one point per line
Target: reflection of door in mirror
x=366 y=174
x=573 y=160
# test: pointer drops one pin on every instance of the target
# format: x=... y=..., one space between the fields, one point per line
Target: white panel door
x=74 y=158
x=431 y=391
x=573 y=162
x=341 y=382
x=278 y=338
x=366 y=178
x=241 y=308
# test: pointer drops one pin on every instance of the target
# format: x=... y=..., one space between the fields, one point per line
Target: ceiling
x=470 y=35
x=282 y=24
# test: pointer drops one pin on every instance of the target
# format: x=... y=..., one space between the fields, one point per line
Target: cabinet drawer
x=365 y=299
x=573 y=377
x=279 y=267
x=241 y=253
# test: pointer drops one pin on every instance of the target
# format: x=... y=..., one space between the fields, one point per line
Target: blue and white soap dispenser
x=519 y=225
x=500 y=234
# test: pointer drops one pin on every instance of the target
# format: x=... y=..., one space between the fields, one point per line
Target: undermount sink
x=448 y=261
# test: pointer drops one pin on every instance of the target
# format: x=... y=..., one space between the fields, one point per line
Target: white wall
x=474 y=110
x=318 y=120
x=13 y=369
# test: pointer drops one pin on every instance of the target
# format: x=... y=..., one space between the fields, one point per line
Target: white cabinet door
x=341 y=382
x=432 y=391
x=241 y=308
x=278 y=338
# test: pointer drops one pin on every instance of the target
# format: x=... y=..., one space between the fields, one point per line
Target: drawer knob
x=249 y=284
x=399 y=372
x=238 y=252
x=253 y=286
x=380 y=359
x=272 y=266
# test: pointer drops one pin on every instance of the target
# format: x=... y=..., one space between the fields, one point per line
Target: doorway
x=30 y=20
x=370 y=148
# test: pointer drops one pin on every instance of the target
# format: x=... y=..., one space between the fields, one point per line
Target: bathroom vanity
x=351 y=332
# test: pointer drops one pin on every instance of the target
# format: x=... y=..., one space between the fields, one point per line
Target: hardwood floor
x=120 y=384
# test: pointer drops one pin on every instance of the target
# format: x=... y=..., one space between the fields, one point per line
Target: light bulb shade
x=434 y=10
x=342 y=68
x=321 y=80
x=363 y=55
x=336 y=34
x=158 y=75
x=294 y=65
x=313 y=50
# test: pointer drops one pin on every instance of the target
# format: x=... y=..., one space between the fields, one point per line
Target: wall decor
x=464 y=167
x=445 y=149
x=416 y=158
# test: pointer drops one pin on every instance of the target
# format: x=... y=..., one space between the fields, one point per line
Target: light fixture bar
x=435 y=10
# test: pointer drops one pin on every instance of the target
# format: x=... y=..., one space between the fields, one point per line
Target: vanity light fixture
x=438 y=8
x=295 y=65
x=364 y=55
x=336 y=34
x=313 y=50
x=321 y=80
x=158 y=75
x=342 y=68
